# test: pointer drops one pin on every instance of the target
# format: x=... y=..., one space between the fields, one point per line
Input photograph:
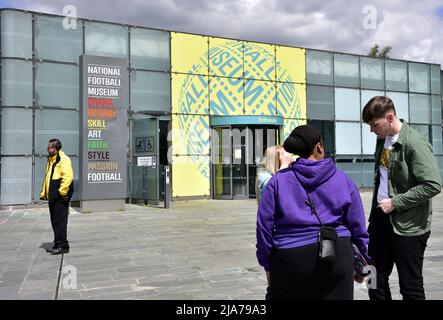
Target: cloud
x=411 y=28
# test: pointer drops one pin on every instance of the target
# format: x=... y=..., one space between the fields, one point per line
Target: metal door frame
x=231 y=196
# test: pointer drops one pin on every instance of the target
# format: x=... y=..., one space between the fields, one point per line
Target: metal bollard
x=167 y=188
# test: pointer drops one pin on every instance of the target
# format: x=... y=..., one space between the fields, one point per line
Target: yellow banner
x=224 y=77
x=291 y=100
x=190 y=135
x=190 y=94
x=189 y=53
x=190 y=176
x=291 y=64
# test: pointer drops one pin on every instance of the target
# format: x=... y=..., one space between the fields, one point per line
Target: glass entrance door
x=149 y=147
x=237 y=151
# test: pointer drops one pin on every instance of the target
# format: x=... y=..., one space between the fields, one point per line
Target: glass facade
x=415 y=89
x=40 y=97
x=40 y=94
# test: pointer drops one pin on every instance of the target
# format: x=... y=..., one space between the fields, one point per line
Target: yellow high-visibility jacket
x=58 y=178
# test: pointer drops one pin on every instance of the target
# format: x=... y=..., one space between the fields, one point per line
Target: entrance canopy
x=246 y=120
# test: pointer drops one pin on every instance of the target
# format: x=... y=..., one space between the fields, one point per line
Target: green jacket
x=413 y=179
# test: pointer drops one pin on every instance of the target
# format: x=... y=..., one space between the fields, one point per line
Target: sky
x=412 y=28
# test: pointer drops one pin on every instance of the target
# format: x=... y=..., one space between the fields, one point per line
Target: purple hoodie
x=285 y=221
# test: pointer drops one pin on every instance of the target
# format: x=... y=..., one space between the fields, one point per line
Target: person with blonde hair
x=274 y=159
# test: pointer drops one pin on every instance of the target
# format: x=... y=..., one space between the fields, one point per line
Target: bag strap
x=309 y=202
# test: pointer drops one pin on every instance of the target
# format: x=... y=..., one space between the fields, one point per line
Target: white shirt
x=384 y=161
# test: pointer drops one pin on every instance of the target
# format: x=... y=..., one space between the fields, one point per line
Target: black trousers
x=59 y=221
x=296 y=274
x=387 y=248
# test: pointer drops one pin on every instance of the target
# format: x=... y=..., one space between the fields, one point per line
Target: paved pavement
x=200 y=249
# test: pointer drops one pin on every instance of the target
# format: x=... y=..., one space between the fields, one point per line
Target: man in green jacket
x=406 y=178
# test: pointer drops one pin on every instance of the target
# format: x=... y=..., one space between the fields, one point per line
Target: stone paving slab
x=199 y=249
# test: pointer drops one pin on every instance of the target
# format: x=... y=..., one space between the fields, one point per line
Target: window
x=54 y=42
x=16 y=131
x=435 y=79
x=396 y=75
x=346 y=70
x=16 y=34
x=420 y=109
x=419 y=77
x=57 y=85
x=320 y=104
x=437 y=139
x=347 y=104
x=16 y=180
x=103 y=39
x=150 y=91
x=348 y=138
x=369 y=139
x=372 y=73
x=61 y=124
x=436 y=109
x=16 y=83
x=150 y=49
x=318 y=67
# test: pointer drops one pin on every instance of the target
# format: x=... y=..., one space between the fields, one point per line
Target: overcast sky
x=414 y=29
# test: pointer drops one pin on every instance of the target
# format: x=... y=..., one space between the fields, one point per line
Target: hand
x=386 y=205
x=359 y=278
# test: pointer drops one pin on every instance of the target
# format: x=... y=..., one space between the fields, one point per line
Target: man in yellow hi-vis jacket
x=58 y=188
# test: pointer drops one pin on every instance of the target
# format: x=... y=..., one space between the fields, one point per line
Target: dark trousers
x=297 y=274
x=387 y=248
x=59 y=221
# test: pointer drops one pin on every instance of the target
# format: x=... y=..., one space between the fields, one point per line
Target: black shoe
x=50 y=249
x=59 y=250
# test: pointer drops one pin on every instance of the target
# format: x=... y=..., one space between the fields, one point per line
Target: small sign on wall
x=150 y=161
x=144 y=144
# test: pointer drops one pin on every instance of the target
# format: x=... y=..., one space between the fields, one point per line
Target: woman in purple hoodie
x=288 y=231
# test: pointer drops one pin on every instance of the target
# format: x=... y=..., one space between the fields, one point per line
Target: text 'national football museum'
x=132 y=104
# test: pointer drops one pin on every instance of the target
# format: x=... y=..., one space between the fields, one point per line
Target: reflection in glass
x=16 y=180
x=57 y=85
x=372 y=73
x=318 y=67
x=396 y=75
x=347 y=104
x=16 y=83
x=346 y=70
x=104 y=39
x=348 y=138
x=16 y=128
x=54 y=42
x=150 y=49
x=320 y=103
x=150 y=91
x=418 y=77
x=420 y=109
x=16 y=34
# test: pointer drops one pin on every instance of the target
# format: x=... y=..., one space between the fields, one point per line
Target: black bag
x=327 y=237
